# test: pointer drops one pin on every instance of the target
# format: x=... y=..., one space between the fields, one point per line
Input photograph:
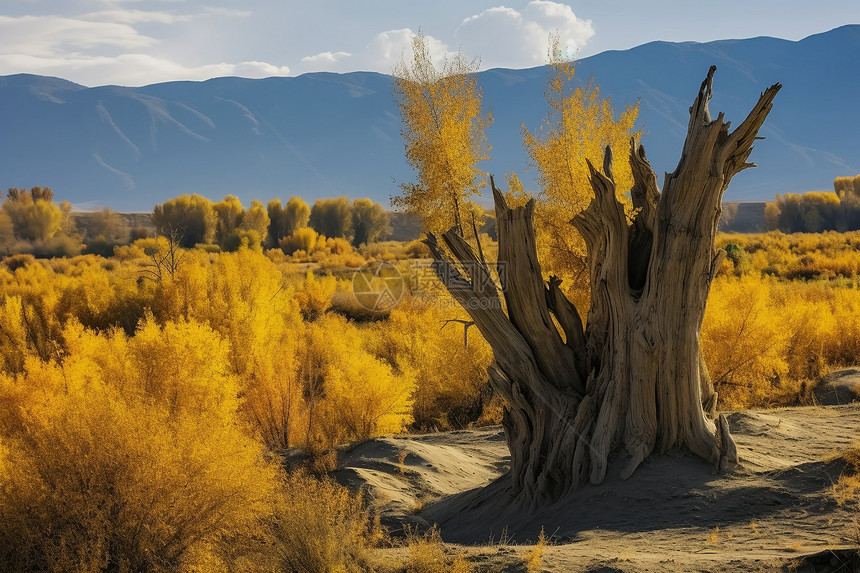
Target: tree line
x=193 y=219
x=817 y=211
x=31 y=222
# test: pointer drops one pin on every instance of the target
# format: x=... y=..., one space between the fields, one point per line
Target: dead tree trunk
x=633 y=380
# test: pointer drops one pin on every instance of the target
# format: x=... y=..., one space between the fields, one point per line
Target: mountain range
x=325 y=134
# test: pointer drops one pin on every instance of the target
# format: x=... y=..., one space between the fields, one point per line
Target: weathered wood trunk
x=633 y=381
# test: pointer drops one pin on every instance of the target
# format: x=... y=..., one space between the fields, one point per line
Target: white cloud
x=499 y=36
x=104 y=47
x=256 y=69
x=389 y=48
x=135 y=17
x=505 y=37
x=132 y=69
x=136 y=42
x=47 y=35
x=381 y=54
x=228 y=12
x=553 y=16
x=325 y=60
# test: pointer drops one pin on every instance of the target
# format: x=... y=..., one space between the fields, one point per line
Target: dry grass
x=429 y=554
x=322 y=526
x=714 y=536
x=401 y=460
x=846 y=490
x=534 y=558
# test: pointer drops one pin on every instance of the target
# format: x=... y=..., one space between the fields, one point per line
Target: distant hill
x=743 y=217
x=323 y=134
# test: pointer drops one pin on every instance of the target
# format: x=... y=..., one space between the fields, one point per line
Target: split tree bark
x=633 y=379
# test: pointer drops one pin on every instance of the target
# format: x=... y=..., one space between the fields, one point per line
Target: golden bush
x=314 y=295
x=420 y=339
x=303 y=239
x=744 y=347
x=101 y=473
x=351 y=394
x=319 y=525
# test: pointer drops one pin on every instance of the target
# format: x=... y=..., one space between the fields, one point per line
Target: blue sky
x=138 y=42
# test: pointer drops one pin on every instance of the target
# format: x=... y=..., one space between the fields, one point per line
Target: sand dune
x=672 y=515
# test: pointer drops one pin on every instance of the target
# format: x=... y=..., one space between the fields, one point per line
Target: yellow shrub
x=534 y=558
x=764 y=339
x=326 y=261
x=416 y=339
x=314 y=295
x=304 y=239
x=182 y=367
x=273 y=403
x=338 y=246
x=240 y=295
x=744 y=346
x=82 y=288
x=320 y=387
x=14 y=344
x=39 y=290
x=800 y=255
x=351 y=394
x=321 y=526
x=94 y=479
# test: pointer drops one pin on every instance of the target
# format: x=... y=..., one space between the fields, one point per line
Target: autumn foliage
x=781 y=314
x=150 y=394
x=30 y=222
x=443 y=128
x=578 y=128
x=122 y=455
x=146 y=394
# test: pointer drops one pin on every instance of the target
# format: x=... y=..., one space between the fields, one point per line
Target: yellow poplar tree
x=255 y=225
x=228 y=215
x=579 y=126
x=443 y=126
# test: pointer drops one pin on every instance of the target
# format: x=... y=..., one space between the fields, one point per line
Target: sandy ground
x=774 y=513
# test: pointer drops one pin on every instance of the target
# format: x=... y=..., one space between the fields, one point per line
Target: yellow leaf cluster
x=579 y=127
x=443 y=125
x=362 y=396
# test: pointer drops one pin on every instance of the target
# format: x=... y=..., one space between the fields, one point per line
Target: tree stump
x=633 y=381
